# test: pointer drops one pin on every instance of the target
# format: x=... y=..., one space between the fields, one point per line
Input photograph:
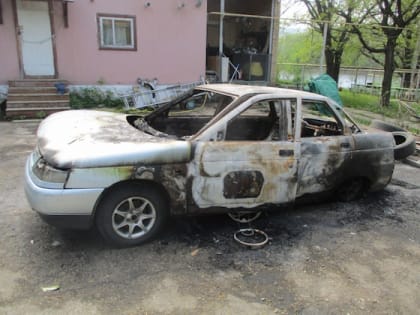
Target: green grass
x=362 y=121
x=370 y=103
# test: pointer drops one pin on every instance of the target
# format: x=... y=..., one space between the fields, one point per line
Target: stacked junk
x=150 y=95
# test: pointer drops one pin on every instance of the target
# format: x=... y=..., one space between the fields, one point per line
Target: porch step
x=36 y=83
x=31 y=90
x=35 y=98
x=38 y=97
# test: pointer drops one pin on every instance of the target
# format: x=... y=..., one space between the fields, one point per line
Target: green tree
x=298 y=48
x=407 y=53
x=332 y=19
x=353 y=55
x=382 y=33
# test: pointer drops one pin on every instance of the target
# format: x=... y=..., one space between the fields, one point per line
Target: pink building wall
x=9 y=63
x=171 y=43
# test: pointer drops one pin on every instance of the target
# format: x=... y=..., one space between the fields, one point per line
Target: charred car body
x=218 y=148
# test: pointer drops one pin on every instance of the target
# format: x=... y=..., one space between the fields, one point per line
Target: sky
x=291 y=9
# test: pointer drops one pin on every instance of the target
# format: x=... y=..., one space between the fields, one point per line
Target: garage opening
x=240 y=39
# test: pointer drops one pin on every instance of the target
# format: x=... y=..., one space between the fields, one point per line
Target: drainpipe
x=271 y=75
x=222 y=11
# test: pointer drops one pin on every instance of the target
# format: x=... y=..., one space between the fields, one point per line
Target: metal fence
x=363 y=80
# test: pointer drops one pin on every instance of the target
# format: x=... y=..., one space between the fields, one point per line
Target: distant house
x=89 y=42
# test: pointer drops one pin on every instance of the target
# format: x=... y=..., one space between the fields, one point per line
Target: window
x=187 y=115
x=117 y=32
x=201 y=104
x=318 y=119
x=262 y=121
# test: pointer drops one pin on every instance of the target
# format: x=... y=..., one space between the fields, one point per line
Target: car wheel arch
x=129 y=183
x=131 y=213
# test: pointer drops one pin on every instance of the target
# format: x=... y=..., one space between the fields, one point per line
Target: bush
x=94 y=97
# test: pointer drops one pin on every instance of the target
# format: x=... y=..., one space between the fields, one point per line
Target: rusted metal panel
x=373 y=157
x=319 y=162
x=214 y=161
x=326 y=162
x=172 y=177
x=174 y=180
x=89 y=139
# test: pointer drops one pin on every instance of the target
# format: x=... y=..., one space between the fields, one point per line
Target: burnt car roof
x=241 y=90
x=237 y=90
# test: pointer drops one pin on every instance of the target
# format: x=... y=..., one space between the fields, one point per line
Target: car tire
x=381 y=125
x=129 y=215
x=351 y=190
x=405 y=145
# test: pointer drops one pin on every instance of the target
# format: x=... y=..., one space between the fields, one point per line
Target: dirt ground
x=329 y=258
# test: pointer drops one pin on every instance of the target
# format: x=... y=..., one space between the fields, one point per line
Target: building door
x=35 y=37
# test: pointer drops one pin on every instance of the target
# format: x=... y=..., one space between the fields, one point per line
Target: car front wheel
x=130 y=215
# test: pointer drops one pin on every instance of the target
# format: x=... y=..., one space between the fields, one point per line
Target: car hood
x=87 y=138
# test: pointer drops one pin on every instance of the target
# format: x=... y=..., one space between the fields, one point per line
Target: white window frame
x=114 y=18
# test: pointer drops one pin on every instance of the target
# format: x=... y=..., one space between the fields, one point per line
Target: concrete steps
x=35 y=98
x=29 y=90
x=36 y=83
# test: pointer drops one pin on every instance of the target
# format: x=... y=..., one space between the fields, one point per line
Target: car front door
x=250 y=160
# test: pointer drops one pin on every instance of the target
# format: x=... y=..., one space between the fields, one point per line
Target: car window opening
x=184 y=117
x=318 y=119
x=263 y=121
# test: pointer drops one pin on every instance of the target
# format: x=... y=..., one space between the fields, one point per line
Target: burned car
x=218 y=148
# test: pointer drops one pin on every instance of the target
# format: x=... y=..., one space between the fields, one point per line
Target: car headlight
x=48 y=173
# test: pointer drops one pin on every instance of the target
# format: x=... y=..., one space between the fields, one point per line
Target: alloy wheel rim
x=133 y=217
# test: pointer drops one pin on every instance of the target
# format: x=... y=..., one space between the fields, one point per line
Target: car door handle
x=345 y=145
x=286 y=153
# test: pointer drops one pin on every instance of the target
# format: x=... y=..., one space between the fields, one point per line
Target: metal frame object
x=250 y=232
x=244 y=216
x=155 y=97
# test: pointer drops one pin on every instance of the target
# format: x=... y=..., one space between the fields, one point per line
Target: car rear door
x=326 y=149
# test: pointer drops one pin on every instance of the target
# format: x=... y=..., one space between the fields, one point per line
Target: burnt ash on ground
x=287 y=227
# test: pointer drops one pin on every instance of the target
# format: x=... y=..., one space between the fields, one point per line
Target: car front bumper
x=66 y=208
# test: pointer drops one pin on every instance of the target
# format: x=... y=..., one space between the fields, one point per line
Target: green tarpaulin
x=325 y=85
